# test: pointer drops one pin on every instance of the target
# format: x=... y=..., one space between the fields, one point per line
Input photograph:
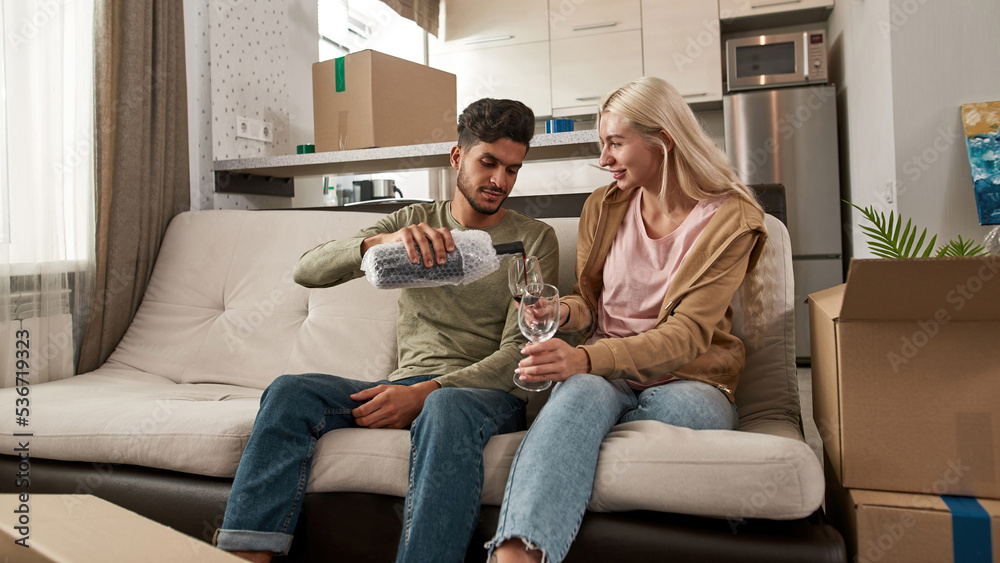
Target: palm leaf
x=961 y=247
x=930 y=246
x=888 y=238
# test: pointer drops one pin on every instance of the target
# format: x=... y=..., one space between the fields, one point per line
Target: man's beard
x=470 y=194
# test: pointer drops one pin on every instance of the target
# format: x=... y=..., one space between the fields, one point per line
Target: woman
x=660 y=253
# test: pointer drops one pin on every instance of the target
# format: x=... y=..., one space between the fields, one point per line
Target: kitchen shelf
x=273 y=175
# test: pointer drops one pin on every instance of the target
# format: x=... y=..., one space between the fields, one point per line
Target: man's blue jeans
x=552 y=475
x=446 y=463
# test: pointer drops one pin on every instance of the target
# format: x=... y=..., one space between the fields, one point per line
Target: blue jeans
x=552 y=475
x=446 y=469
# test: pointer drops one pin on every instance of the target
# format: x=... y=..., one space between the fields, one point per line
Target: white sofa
x=221 y=318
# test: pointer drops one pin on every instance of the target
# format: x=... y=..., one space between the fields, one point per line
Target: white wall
x=860 y=67
x=197 y=59
x=903 y=69
x=303 y=51
x=253 y=59
x=944 y=54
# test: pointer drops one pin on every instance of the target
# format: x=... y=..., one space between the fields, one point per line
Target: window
x=46 y=132
x=348 y=26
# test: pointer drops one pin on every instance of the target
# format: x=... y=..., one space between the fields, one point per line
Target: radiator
x=43 y=328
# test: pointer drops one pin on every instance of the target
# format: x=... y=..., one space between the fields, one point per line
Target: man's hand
x=432 y=242
x=392 y=406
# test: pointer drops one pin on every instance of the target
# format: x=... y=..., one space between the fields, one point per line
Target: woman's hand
x=552 y=360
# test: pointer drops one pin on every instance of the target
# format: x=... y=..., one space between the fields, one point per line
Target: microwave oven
x=775 y=60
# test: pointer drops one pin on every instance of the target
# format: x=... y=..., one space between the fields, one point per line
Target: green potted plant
x=888 y=238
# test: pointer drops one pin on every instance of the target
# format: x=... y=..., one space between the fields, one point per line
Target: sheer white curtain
x=46 y=185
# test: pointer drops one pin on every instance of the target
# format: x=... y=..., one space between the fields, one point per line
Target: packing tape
x=970 y=530
x=341 y=83
x=342 y=131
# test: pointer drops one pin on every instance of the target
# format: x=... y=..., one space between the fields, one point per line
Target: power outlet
x=256 y=129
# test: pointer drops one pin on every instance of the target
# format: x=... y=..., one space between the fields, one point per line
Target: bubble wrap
x=992 y=241
x=387 y=266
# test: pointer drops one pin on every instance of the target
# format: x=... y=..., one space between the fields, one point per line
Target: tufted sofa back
x=221 y=307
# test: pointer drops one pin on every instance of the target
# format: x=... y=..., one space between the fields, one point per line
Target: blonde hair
x=651 y=105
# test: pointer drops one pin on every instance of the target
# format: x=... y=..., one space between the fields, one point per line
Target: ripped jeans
x=446 y=468
x=552 y=475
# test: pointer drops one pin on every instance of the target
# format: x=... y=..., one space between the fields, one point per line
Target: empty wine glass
x=538 y=318
x=520 y=272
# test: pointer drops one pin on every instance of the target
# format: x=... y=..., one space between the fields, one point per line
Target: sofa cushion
x=119 y=415
x=566 y=230
x=221 y=306
x=768 y=392
x=642 y=466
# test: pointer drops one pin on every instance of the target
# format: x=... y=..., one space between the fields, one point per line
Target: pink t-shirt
x=638 y=271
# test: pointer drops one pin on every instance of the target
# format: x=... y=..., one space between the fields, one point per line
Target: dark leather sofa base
x=192 y=504
x=365 y=528
x=361 y=527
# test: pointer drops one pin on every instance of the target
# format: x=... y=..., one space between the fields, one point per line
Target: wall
x=860 y=66
x=197 y=59
x=944 y=54
x=247 y=58
x=903 y=69
x=303 y=51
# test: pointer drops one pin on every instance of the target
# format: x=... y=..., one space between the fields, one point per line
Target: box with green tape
x=369 y=99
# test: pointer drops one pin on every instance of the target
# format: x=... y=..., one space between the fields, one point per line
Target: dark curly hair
x=488 y=120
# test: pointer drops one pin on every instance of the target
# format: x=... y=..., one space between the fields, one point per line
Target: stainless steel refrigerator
x=789 y=136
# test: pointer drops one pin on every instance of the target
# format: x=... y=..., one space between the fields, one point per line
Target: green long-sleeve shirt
x=467 y=335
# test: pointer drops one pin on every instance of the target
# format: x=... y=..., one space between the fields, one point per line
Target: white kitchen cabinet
x=732 y=9
x=475 y=24
x=681 y=44
x=578 y=18
x=519 y=72
x=586 y=68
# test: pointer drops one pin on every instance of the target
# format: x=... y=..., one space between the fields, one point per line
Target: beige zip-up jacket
x=692 y=338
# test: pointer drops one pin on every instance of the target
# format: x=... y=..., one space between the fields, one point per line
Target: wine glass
x=538 y=317
x=520 y=272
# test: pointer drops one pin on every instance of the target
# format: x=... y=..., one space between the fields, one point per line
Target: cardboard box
x=370 y=99
x=908 y=528
x=73 y=528
x=906 y=375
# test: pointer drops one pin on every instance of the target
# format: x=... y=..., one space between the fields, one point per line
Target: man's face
x=486 y=175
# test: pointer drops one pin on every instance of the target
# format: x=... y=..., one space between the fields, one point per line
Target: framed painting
x=982 y=139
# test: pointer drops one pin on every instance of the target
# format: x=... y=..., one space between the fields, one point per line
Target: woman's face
x=627 y=157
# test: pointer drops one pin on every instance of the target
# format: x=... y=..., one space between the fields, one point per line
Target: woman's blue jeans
x=446 y=463
x=552 y=475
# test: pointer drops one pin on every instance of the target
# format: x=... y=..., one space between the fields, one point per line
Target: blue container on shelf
x=558 y=125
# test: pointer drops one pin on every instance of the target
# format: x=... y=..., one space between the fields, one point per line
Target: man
x=457 y=349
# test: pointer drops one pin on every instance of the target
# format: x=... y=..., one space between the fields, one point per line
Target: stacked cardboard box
x=906 y=396
x=369 y=99
x=887 y=527
x=40 y=528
